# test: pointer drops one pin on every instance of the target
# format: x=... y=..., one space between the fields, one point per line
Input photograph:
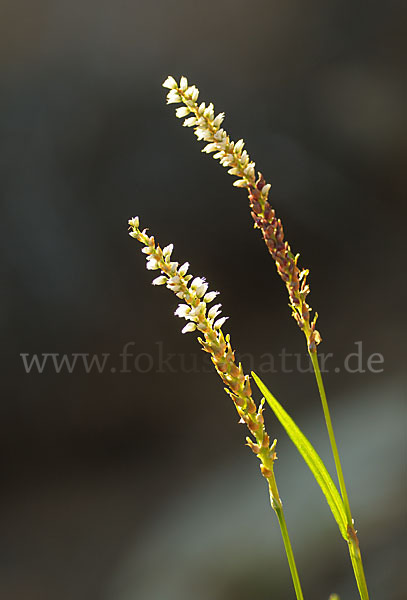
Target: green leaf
x=310 y=456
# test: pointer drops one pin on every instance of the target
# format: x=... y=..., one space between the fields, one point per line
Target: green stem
x=278 y=508
x=328 y=421
x=353 y=542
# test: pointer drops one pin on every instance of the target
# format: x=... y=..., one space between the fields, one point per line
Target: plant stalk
x=278 y=508
x=353 y=542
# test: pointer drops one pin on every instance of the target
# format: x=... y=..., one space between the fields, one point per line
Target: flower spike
x=231 y=155
x=203 y=318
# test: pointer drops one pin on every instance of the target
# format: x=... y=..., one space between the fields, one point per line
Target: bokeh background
x=119 y=486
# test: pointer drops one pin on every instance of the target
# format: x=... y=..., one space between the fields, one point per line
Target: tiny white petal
x=147 y=250
x=201 y=290
x=134 y=222
x=170 y=83
x=240 y=183
x=133 y=234
x=201 y=108
x=168 y=250
x=200 y=133
x=195 y=312
x=265 y=189
x=210 y=148
x=197 y=282
x=189 y=327
x=183 y=83
x=173 y=281
x=152 y=264
x=208 y=112
x=173 y=97
x=234 y=171
x=239 y=146
x=219 y=135
x=218 y=324
x=183 y=269
x=159 y=280
x=244 y=159
x=210 y=296
x=249 y=170
x=182 y=111
x=182 y=310
x=214 y=311
x=190 y=122
x=218 y=120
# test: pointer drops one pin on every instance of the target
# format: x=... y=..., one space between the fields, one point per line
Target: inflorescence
x=232 y=156
x=195 y=309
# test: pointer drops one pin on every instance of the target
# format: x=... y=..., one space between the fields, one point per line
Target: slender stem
x=357 y=565
x=278 y=508
x=353 y=542
x=328 y=421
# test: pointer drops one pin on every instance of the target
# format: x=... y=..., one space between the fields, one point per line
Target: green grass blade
x=310 y=456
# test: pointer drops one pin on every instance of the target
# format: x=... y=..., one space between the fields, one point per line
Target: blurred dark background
x=119 y=486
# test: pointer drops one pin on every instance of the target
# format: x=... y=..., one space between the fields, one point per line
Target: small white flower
x=147 y=250
x=210 y=148
x=173 y=97
x=152 y=264
x=208 y=112
x=244 y=159
x=201 y=290
x=182 y=111
x=210 y=296
x=234 y=171
x=182 y=311
x=168 y=250
x=189 y=327
x=197 y=282
x=240 y=183
x=159 y=280
x=133 y=234
x=190 y=122
x=183 y=269
x=195 y=312
x=134 y=222
x=173 y=281
x=214 y=311
x=183 y=84
x=249 y=170
x=239 y=146
x=265 y=189
x=170 y=83
x=228 y=160
x=193 y=93
x=219 y=135
x=200 y=133
x=218 y=324
x=201 y=108
x=218 y=120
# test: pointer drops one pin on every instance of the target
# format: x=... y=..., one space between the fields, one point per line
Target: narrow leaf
x=310 y=456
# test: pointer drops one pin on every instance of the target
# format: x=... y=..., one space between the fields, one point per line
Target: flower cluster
x=231 y=155
x=195 y=309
